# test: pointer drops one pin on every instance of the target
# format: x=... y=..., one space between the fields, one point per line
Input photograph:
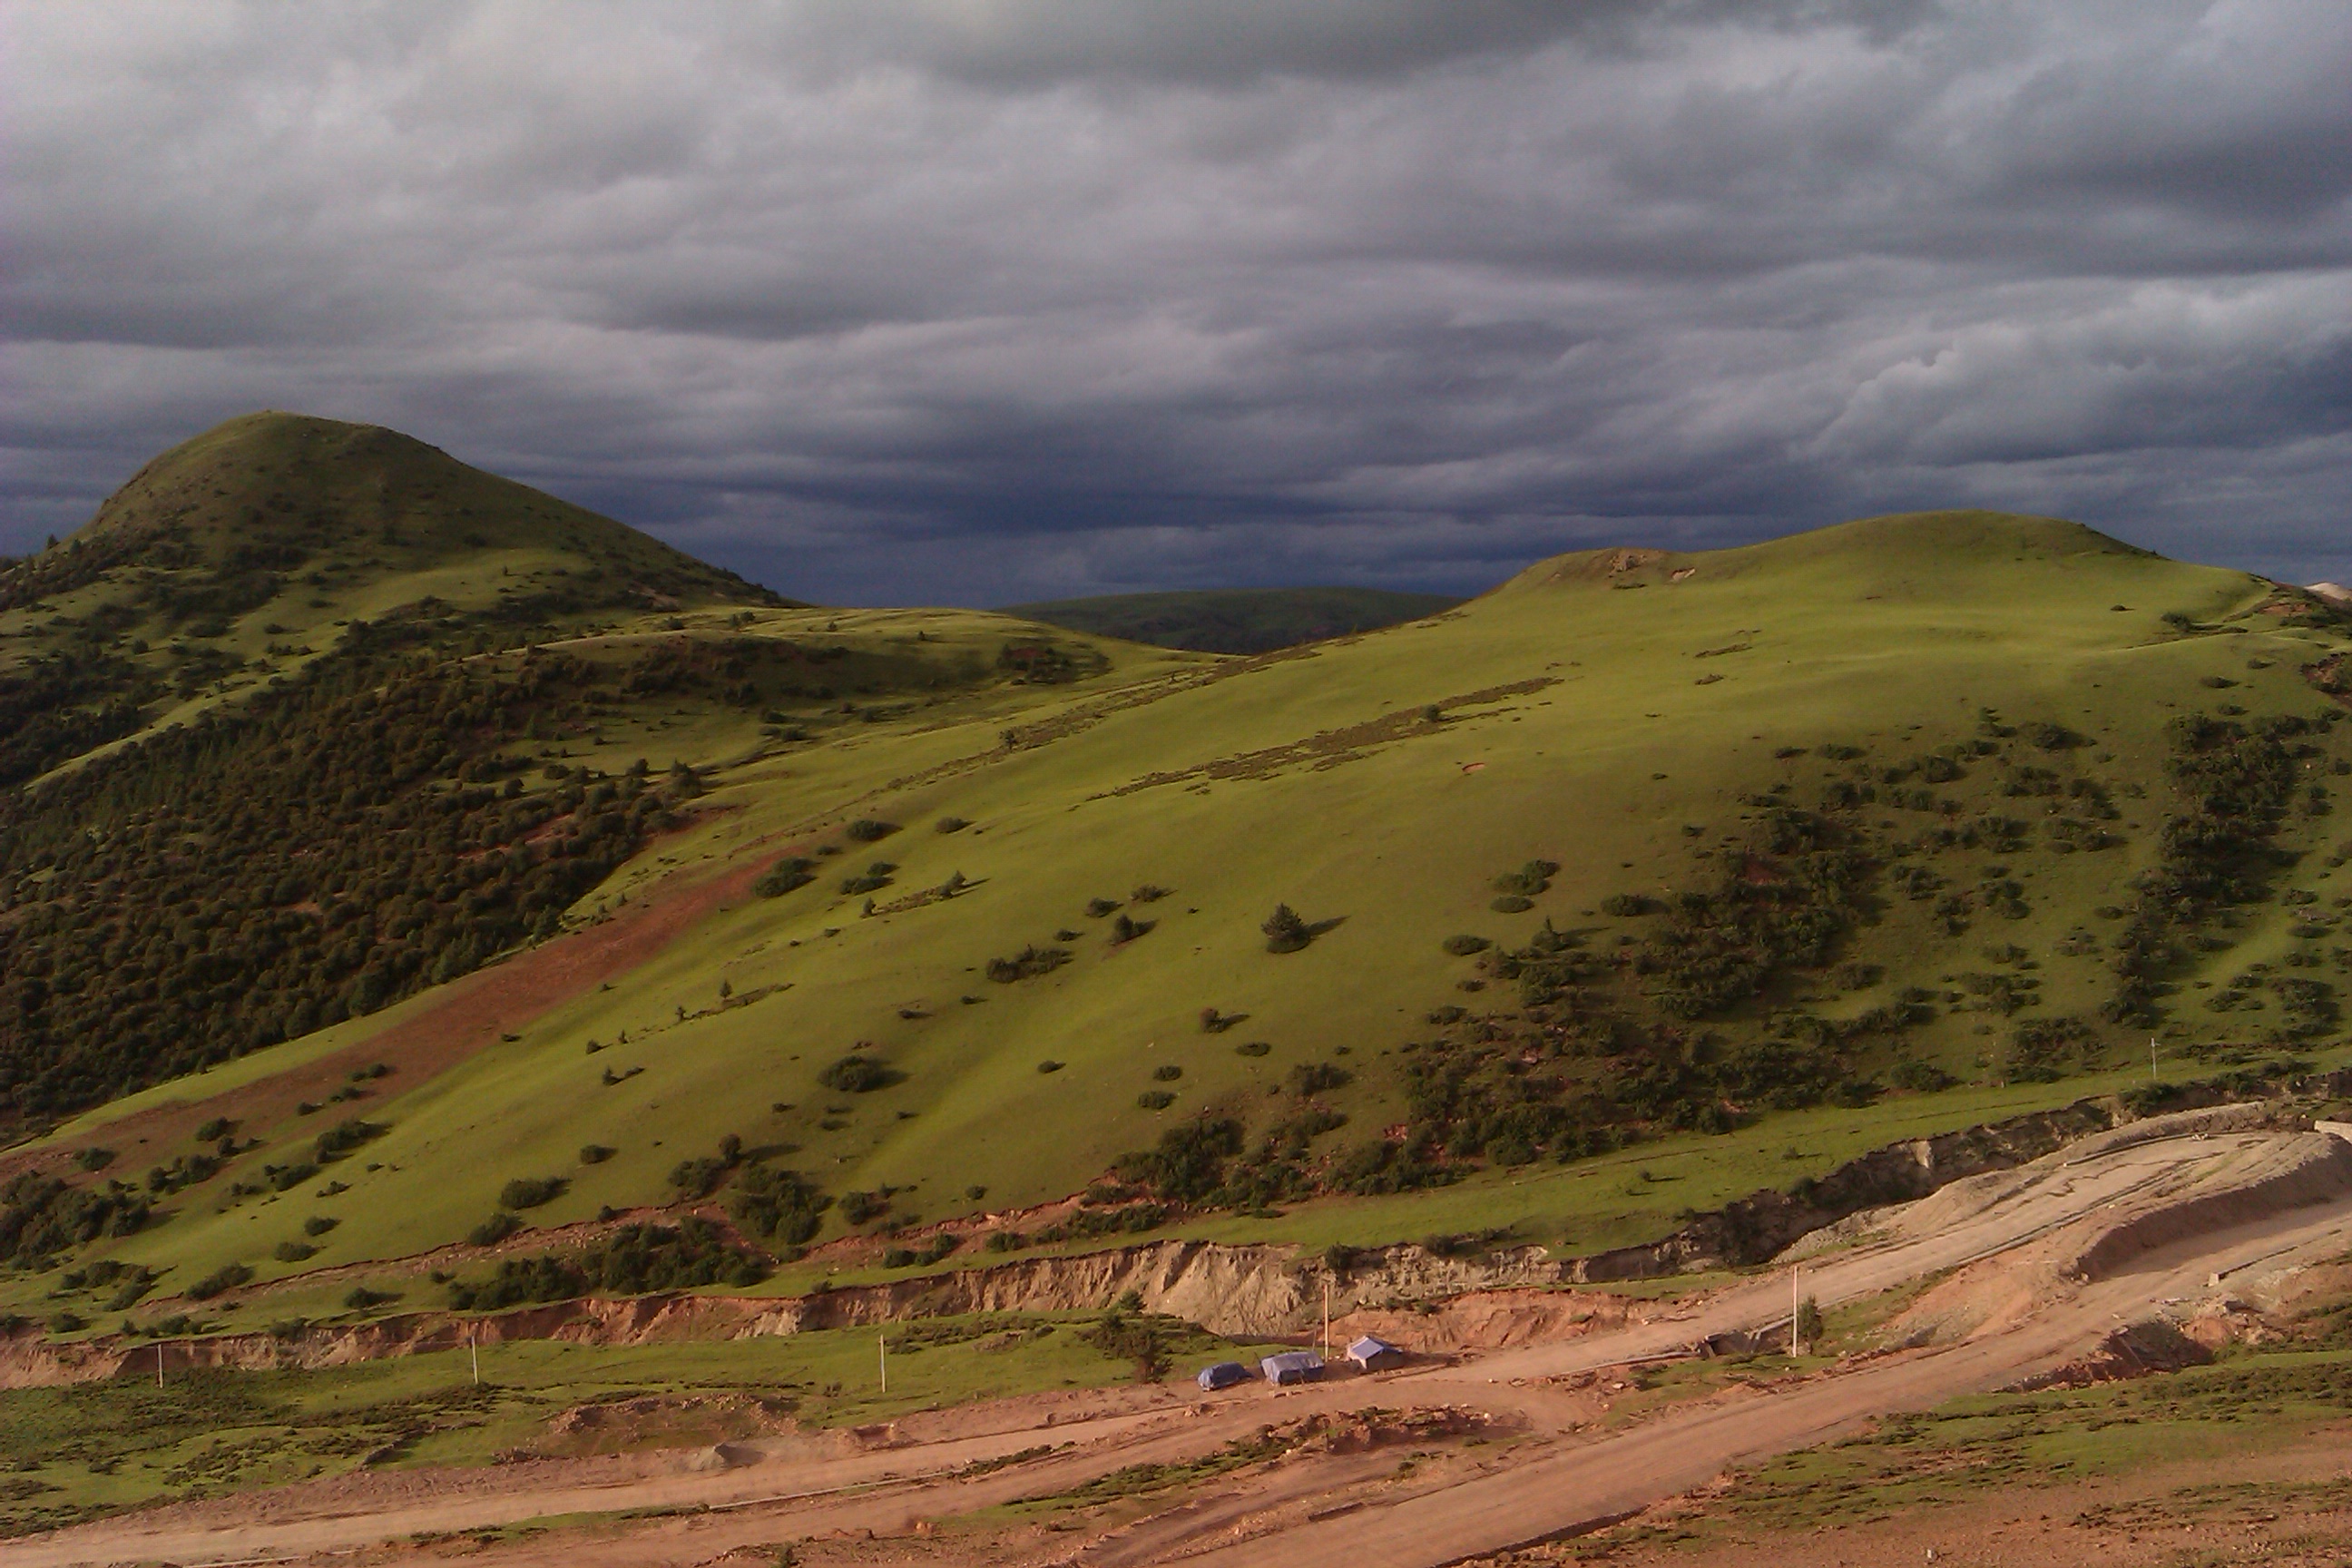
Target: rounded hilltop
x=1942 y=542
x=273 y=490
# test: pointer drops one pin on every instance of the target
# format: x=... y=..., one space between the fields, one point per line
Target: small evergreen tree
x=1285 y=930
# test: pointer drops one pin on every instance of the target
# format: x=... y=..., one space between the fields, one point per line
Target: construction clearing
x=2131 y=1251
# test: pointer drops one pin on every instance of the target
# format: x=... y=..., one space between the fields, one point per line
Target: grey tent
x=1292 y=1366
x=1224 y=1374
x=1375 y=1354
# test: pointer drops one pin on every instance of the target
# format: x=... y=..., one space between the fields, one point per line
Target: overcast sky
x=979 y=300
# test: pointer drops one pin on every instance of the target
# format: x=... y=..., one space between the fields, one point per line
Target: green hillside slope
x=1696 y=856
x=1235 y=620
x=257 y=546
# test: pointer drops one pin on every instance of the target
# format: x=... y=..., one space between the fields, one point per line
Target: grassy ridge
x=1235 y=620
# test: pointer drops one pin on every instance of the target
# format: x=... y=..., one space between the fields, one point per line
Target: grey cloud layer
x=984 y=301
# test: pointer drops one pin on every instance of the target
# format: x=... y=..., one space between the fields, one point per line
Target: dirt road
x=2049 y=1258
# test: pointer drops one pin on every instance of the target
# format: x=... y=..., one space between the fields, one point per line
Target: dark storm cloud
x=984 y=299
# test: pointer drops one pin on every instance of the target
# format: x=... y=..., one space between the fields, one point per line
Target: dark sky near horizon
x=984 y=301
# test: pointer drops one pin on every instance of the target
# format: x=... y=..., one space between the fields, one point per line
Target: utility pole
x=1796 y=1312
x=2151 y=1060
x=474 y=1348
x=882 y=1348
x=159 y=1363
x=1327 y=1318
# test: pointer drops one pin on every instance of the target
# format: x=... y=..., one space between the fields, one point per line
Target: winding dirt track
x=2051 y=1258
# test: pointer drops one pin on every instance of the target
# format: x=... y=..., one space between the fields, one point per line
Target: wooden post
x=474 y=1349
x=882 y=1349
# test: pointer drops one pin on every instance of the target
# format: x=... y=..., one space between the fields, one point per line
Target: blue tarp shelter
x=1224 y=1374
x=1292 y=1366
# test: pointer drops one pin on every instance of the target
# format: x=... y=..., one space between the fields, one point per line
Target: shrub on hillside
x=227 y=1277
x=791 y=871
x=1464 y=945
x=1155 y=1099
x=1529 y=880
x=870 y=830
x=631 y=1260
x=493 y=1230
x=596 y=1154
x=1285 y=930
x=1623 y=905
x=1318 y=1078
x=345 y=1136
x=1028 y=963
x=857 y=1073
x=779 y=1204
x=530 y=1192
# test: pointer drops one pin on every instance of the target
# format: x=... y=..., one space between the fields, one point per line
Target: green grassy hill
x=1235 y=620
x=1640 y=881
x=259 y=546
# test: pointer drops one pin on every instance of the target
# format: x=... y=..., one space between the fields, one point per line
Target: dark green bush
x=1028 y=963
x=631 y=1260
x=870 y=830
x=530 y=1192
x=791 y=871
x=1464 y=945
x=294 y=1251
x=227 y=1277
x=1155 y=1099
x=1529 y=880
x=1512 y=904
x=1252 y=1048
x=1168 y=1072
x=1919 y=1076
x=1625 y=904
x=779 y=1204
x=345 y=1136
x=596 y=1154
x=857 y=1073
x=1318 y=1078
x=857 y=1208
x=1285 y=930
x=493 y=1230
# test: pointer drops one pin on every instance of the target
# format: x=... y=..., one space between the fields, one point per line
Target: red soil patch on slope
x=463 y=1018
